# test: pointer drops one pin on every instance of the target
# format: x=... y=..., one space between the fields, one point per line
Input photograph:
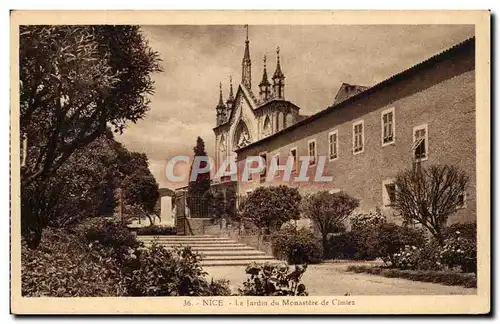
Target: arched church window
x=267 y=127
x=242 y=135
x=288 y=120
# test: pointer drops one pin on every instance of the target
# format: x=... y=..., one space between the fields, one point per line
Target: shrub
x=365 y=228
x=270 y=207
x=157 y=230
x=108 y=237
x=65 y=265
x=459 y=251
x=444 y=277
x=273 y=280
x=328 y=211
x=296 y=246
x=340 y=246
x=161 y=272
x=391 y=238
x=467 y=230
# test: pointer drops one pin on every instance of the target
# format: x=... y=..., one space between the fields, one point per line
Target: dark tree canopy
x=328 y=211
x=75 y=81
x=430 y=195
x=270 y=207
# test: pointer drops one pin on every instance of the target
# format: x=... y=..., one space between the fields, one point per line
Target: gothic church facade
x=245 y=117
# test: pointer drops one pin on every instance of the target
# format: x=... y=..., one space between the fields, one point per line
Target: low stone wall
x=198 y=225
x=259 y=242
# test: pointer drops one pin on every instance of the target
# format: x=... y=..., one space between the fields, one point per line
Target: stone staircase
x=216 y=251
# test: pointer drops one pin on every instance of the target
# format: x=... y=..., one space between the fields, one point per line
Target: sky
x=316 y=60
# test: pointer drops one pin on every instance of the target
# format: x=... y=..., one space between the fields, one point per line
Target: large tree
x=328 y=211
x=75 y=81
x=429 y=195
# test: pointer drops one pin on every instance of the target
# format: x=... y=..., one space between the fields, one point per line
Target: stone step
x=246 y=253
x=205 y=247
x=233 y=263
x=238 y=257
x=180 y=237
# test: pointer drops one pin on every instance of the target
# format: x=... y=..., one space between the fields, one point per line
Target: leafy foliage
x=85 y=261
x=74 y=82
x=448 y=278
x=429 y=195
x=459 y=251
x=161 y=272
x=328 y=211
x=296 y=246
x=270 y=207
x=222 y=204
x=341 y=246
x=100 y=257
x=391 y=238
x=364 y=228
x=196 y=199
x=157 y=230
x=274 y=280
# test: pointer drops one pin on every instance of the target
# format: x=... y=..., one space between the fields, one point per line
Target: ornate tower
x=221 y=108
x=246 y=66
x=265 y=86
x=230 y=99
x=278 y=79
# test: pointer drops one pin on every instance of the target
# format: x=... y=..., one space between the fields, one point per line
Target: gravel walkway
x=331 y=279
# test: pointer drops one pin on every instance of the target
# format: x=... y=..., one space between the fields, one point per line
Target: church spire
x=231 y=95
x=246 y=73
x=221 y=108
x=230 y=99
x=278 y=78
x=264 y=84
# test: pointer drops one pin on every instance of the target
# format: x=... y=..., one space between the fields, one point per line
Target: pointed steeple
x=221 y=108
x=230 y=99
x=246 y=66
x=264 y=85
x=231 y=95
x=278 y=78
x=278 y=73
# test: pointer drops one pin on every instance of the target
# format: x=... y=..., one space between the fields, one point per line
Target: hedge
x=449 y=278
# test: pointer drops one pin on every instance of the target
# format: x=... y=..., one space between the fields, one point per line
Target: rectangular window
x=311 y=149
x=420 y=145
x=358 y=138
x=388 y=126
x=293 y=154
x=333 y=140
x=389 y=193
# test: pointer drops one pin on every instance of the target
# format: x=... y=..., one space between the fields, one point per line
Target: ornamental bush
x=270 y=207
x=65 y=264
x=364 y=230
x=391 y=238
x=296 y=246
x=341 y=246
x=273 y=280
x=161 y=272
x=459 y=252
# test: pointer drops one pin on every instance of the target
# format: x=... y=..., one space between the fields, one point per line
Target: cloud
x=315 y=59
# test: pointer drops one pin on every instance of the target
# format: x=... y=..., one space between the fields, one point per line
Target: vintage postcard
x=232 y=162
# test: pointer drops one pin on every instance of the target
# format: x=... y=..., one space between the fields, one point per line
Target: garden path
x=331 y=279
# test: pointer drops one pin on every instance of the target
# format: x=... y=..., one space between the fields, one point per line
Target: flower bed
x=449 y=278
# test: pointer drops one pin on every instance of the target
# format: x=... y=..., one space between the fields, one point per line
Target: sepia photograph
x=261 y=164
